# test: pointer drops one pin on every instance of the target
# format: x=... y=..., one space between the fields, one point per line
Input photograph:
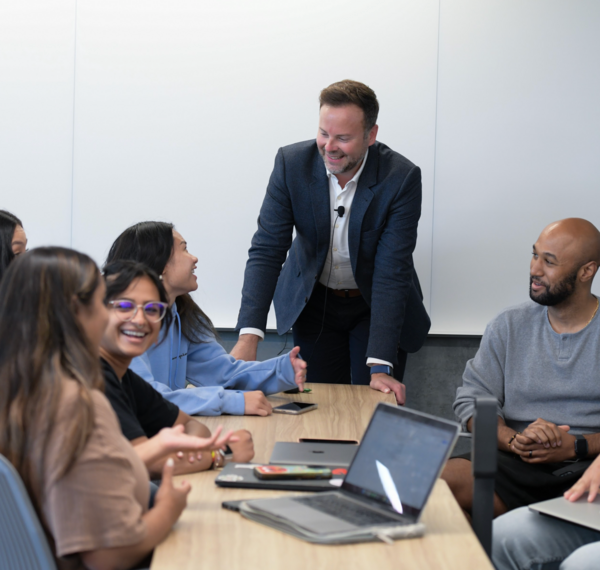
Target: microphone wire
x=341 y=210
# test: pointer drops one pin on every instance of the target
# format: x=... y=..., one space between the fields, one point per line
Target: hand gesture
x=174 y=498
x=242 y=447
x=590 y=482
x=387 y=384
x=256 y=404
x=544 y=442
x=175 y=440
x=299 y=367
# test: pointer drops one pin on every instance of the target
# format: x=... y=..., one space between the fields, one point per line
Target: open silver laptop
x=580 y=512
x=387 y=486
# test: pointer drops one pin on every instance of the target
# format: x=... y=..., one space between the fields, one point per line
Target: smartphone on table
x=291 y=472
x=295 y=408
x=327 y=440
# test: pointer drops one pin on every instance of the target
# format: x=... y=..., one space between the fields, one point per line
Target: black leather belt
x=345 y=293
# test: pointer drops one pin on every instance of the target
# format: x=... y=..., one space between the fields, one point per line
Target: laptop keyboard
x=348 y=511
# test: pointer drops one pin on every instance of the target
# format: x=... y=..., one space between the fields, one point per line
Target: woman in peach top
x=88 y=485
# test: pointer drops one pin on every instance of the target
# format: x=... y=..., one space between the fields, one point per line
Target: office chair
x=23 y=545
x=484 y=448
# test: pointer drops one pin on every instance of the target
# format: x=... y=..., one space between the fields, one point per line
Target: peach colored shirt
x=99 y=503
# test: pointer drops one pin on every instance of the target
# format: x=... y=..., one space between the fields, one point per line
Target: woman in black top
x=137 y=304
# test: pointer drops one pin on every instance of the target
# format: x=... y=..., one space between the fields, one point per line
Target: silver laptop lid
x=305 y=453
x=400 y=457
x=580 y=512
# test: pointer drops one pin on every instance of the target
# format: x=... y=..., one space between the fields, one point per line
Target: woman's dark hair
x=8 y=223
x=41 y=345
x=151 y=243
x=119 y=275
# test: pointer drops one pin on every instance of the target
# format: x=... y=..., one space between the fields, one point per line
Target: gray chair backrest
x=23 y=544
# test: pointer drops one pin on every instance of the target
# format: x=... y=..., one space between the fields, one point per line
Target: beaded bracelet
x=513 y=437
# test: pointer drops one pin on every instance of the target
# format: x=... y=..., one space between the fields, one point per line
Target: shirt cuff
x=374 y=361
x=233 y=403
x=250 y=330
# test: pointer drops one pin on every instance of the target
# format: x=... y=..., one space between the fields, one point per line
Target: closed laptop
x=303 y=453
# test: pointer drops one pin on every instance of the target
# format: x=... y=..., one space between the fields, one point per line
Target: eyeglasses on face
x=127 y=310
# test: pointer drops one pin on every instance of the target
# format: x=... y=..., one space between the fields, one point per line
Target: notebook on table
x=580 y=512
x=385 y=491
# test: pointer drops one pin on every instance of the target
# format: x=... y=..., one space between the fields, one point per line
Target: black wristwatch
x=382 y=368
x=581 y=446
x=227 y=455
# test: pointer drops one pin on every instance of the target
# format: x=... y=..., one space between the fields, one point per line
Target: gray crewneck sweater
x=534 y=372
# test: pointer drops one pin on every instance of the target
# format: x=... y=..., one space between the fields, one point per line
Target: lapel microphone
x=340 y=211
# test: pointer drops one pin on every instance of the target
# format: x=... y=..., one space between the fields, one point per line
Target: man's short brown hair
x=348 y=92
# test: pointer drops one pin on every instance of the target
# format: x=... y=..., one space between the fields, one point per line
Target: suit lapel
x=360 y=203
x=319 y=196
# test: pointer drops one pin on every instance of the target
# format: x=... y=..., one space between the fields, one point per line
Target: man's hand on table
x=243 y=448
x=544 y=442
x=246 y=347
x=387 y=384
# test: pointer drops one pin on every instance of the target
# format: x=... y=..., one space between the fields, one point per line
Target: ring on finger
x=530 y=453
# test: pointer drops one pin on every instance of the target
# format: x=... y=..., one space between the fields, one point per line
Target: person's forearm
x=150 y=451
x=194 y=427
x=504 y=433
x=593 y=440
x=158 y=521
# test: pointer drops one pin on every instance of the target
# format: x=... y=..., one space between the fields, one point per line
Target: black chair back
x=484 y=461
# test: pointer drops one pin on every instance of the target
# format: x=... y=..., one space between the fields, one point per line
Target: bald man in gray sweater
x=541 y=361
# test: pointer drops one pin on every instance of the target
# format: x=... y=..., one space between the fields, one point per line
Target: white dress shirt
x=337 y=271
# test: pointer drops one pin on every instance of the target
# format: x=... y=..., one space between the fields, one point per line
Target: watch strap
x=382 y=368
x=581 y=446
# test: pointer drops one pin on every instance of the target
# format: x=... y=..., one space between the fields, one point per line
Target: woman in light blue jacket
x=189 y=353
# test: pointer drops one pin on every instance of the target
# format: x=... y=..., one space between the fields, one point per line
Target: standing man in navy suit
x=348 y=287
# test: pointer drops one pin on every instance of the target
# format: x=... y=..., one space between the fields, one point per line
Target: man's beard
x=556 y=294
x=352 y=163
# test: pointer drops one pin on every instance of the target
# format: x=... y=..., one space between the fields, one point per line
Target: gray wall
x=432 y=374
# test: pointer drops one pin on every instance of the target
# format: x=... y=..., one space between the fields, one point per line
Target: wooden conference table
x=207 y=536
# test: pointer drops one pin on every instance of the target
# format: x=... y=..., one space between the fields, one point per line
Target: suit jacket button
x=306 y=299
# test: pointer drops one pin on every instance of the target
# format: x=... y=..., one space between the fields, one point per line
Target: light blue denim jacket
x=169 y=365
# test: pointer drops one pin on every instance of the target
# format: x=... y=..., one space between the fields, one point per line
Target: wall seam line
x=437 y=89
x=73 y=125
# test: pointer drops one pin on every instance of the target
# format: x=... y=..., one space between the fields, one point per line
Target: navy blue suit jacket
x=382 y=233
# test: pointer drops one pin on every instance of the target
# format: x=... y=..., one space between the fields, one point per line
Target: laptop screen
x=400 y=457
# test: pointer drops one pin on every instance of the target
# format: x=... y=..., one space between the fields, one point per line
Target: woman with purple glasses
x=188 y=351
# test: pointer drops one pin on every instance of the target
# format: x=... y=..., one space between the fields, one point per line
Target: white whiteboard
x=518 y=146
x=128 y=110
